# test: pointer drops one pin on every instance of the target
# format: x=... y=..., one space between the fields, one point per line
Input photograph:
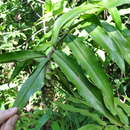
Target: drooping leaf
x=89 y=63
x=34 y=83
x=19 y=56
x=119 y=39
x=116 y=17
x=84 y=112
x=91 y=127
x=99 y=35
x=74 y=13
x=74 y=74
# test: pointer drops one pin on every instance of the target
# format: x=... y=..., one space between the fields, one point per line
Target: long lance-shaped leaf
x=74 y=13
x=120 y=40
x=114 y=3
x=34 y=83
x=74 y=74
x=84 y=112
x=89 y=63
x=116 y=17
x=19 y=56
x=99 y=35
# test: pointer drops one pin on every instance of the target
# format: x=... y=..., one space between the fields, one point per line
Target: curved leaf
x=89 y=63
x=99 y=35
x=73 y=72
x=120 y=40
x=74 y=13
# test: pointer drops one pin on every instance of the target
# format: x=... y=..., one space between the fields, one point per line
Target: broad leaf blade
x=19 y=56
x=99 y=35
x=120 y=40
x=73 y=72
x=89 y=63
x=34 y=83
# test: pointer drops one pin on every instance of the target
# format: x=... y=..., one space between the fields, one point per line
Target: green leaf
x=58 y=7
x=126 y=128
x=72 y=14
x=99 y=35
x=116 y=17
x=55 y=125
x=19 y=56
x=124 y=106
x=89 y=63
x=76 y=100
x=42 y=121
x=114 y=3
x=34 y=83
x=111 y=127
x=91 y=127
x=48 y=5
x=71 y=108
x=74 y=74
x=123 y=117
x=120 y=40
x=19 y=66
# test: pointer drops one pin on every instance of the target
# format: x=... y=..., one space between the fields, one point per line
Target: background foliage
x=65 y=63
